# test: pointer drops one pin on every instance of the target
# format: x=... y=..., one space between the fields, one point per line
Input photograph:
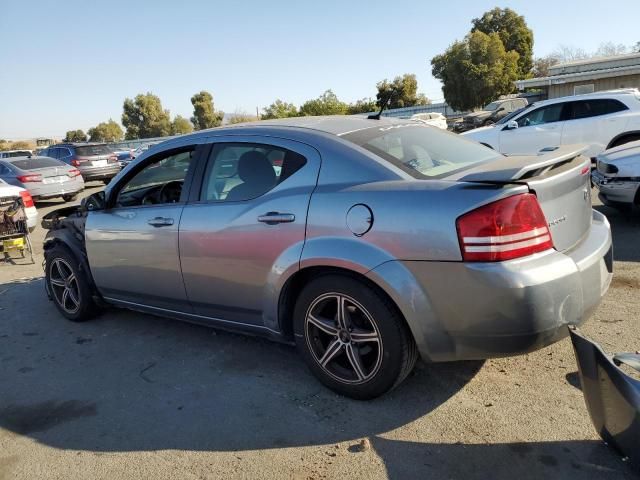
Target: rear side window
x=420 y=150
x=33 y=163
x=594 y=108
x=542 y=115
x=242 y=171
x=89 y=150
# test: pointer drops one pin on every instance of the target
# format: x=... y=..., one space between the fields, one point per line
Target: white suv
x=601 y=120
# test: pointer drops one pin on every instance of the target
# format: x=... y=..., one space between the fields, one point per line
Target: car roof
x=623 y=92
x=331 y=124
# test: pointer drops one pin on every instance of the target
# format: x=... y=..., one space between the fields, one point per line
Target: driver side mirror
x=512 y=125
x=95 y=201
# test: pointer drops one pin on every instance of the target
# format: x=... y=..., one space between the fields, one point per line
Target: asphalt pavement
x=131 y=396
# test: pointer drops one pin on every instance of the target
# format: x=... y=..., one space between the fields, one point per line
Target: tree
x=636 y=47
x=364 y=105
x=541 y=66
x=514 y=34
x=476 y=71
x=401 y=92
x=75 y=136
x=181 y=125
x=567 y=53
x=106 y=132
x=144 y=117
x=608 y=49
x=204 y=115
x=242 y=117
x=279 y=109
x=325 y=104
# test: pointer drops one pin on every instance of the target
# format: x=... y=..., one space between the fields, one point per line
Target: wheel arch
x=65 y=238
x=631 y=133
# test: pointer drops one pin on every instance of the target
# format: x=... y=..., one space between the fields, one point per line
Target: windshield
x=421 y=150
x=506 y=118
x=33 y=163
x=88 y=150
x=492 y=106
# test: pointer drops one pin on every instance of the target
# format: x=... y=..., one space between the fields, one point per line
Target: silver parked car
x=366 y=242
x=617 y=176
x=95 y=161
x=43 y=177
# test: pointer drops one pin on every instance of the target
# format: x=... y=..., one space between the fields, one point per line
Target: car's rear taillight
x=74 y=172
x=29 y=178
x=27 y=200
x=75 y=162
x=509 y=228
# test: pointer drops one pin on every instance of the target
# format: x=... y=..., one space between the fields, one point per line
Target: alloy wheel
x=343 y=338
x=64 y=286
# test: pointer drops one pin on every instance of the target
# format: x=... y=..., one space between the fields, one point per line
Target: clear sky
x=68 y=65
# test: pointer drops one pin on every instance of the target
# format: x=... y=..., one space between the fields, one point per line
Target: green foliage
x=364 y=105
x=401 y=92
x=204 y=115
x=181 y=125
x=325 y=104
x=476 y=71
x=75 y=136
x=541 y=66
x=279 y=109
x=106 y=132
x=514 y=34
x=144 y=117
x=242 y=117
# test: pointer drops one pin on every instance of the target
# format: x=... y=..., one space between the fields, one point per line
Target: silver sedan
x=43 y=177
x=366 y=242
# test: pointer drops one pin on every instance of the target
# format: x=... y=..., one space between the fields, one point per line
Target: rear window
x=20 y=153
x=89 y=150
x=421 y=150
x=33 y=163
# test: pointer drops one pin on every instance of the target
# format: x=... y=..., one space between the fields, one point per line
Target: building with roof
x=587 y=76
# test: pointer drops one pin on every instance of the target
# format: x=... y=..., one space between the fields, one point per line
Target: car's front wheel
x=69 y=198
x=68 y=285
x=352 y=338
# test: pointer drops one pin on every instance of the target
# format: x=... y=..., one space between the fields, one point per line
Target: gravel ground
x=134 y=396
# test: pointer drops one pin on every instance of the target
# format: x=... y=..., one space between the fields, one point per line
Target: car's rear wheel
x=69 y=198
x=352 y=338
x=68 y=286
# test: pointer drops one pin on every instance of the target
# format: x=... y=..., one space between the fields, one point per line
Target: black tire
x=69 y=198
x=383 y=363
x=489 y=123
x=106 y=181
x=78 y=304
x=622 y=141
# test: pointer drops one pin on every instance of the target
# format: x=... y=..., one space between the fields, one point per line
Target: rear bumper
x=99 y=173
x=58 y=190
x=486 y=310
x=613 y=191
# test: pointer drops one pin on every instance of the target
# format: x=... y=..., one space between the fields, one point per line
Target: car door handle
x=160 y=222
x=273 y=218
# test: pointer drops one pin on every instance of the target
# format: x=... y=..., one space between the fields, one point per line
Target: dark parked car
x=490 y=114
x=95 y=161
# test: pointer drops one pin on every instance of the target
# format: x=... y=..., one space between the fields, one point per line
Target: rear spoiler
x=521 y=167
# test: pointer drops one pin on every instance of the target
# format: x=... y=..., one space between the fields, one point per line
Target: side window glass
x=64 y=154
x=241 y=171
x=159 y=182
x=53 y=153
x=583 y=109
x=549 y=114
x=606 y=106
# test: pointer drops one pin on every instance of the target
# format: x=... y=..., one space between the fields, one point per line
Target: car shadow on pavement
x=625 y=230
x=532 y=460
x=132 y=382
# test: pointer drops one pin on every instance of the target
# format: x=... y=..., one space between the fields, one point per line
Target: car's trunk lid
x=560 y=180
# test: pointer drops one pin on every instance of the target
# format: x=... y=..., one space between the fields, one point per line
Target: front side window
x=492 y=106
x=241 y=171
x=548 y=114
x=420 y=150
x=159 y=182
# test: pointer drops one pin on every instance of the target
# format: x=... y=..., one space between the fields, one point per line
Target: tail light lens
x=74 y=172
x=29 y=178
x=27 y=200
x=75 y=162
x=112 y=159
x=509 y=228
